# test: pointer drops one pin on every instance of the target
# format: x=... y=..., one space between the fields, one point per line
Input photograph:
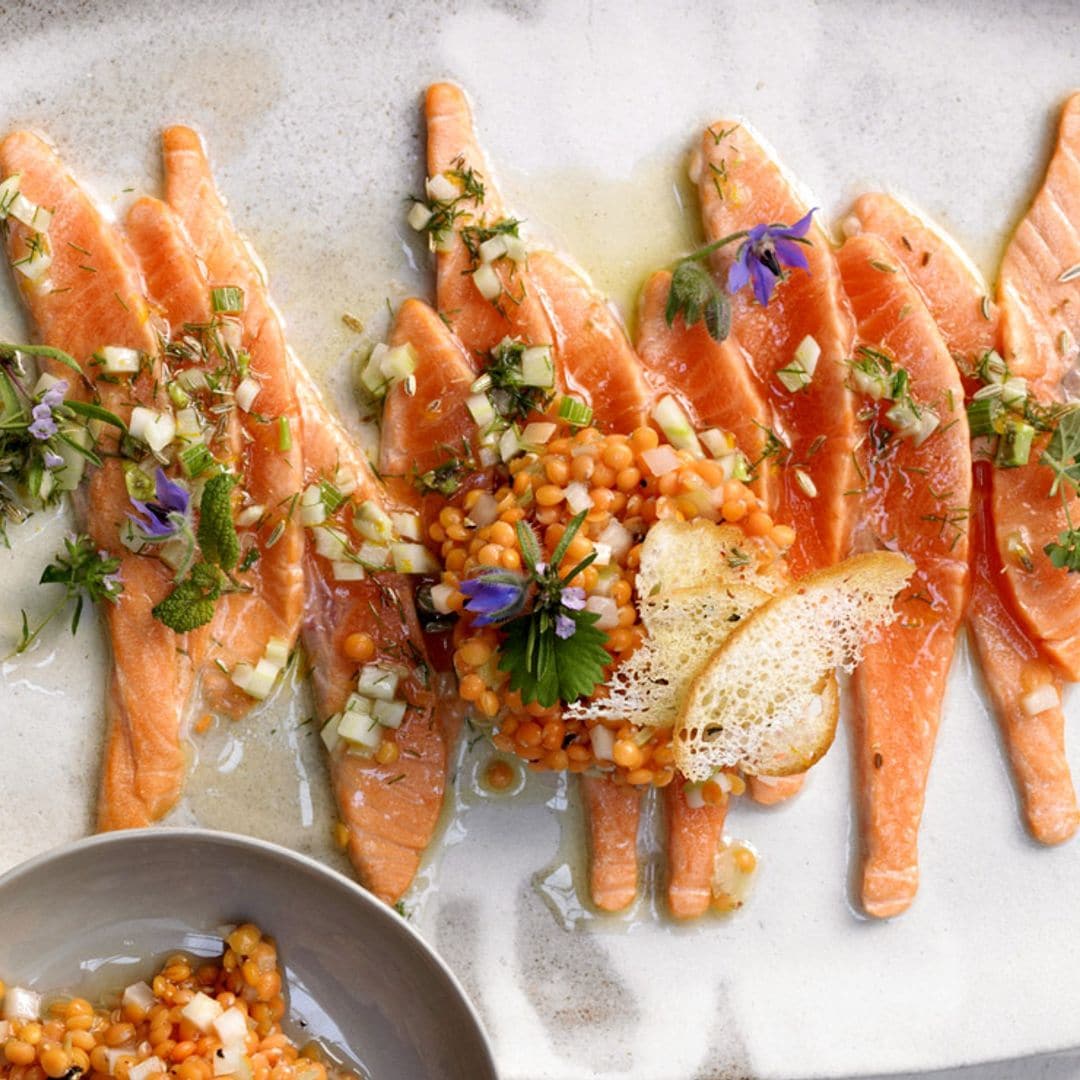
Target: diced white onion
x=717 y=442
x=389 y=713
x=30 y=214
x=360 y=730
x=174 y=553
x=412 y=558
x=807 y=354
x=617 y=537
x=156 y=429
x=277 y=652
x=247 y=392
x=378 y=682
x=442 y=189
x=228 y=1061
x=407 y=526
x=485 y=510
x=661 y=460
x=692 y=793
x=231 y=1026
x=250 y=515
x=537 y=366
x=538 y=433
x=419 y=216
x=330 y=543
x=373 y=522
x=120 y=360
x=310 y=516
x=578 y=497
x=493 y=248
x=9 y=188
x=398 y=363
x=329 y=733
x=488 y=456
x=188 y=426
x=440 y=598
x=202 y=1010
x=606 y=608
x=376 y=556
x=1040 y=699
x=147 y=1068
x=675 y=424
x=22 y=1004
x=347 y=570
x=515 y=248
x=603 y=742
x=130 y=538
x=487 y=281
x=509 y=444
x=1014 y=390
x=869 y=383
x=259 y=680
x=481 y=409
x=35 y=265
x=928 y=424
x=193 y=379
x=603 y=554
x=345 y=481
x=140 y=995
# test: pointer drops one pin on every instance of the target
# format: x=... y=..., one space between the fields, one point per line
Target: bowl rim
x=391 y=919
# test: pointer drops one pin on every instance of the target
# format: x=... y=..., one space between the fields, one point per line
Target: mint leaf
x=191 y=604
x=218 y=541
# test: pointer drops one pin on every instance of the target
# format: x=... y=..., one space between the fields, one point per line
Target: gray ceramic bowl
x=357 y=974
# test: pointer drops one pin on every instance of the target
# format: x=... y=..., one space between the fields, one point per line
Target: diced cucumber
x=390 y=713
x=378 y=682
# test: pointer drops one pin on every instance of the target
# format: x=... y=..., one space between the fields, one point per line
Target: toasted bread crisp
x=757 y=704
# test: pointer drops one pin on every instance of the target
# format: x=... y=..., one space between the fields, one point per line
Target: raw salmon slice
x=1010 y=661
x=453 y=150
x=272 y=471
x=389 y=810
x=612 y=814
x=96 y=299
x=694 y=836
x=714 y=381
x=1040 y=330
x=917 y=501
x=741 y=185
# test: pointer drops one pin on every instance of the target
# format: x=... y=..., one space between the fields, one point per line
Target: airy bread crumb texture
x=761 y=702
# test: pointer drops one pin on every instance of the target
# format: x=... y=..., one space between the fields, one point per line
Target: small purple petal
x=573 y=598
x=800 y=228
x=791 y=253
x=53 y=461
x=155 y=521
x=170 y=495
x=739 y=274
x=491 y=600
x=764 y=281
x=565 y=626
x=55 y=394
x=757 y=234
x=43 y=428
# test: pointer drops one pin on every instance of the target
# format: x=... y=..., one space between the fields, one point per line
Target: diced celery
x=481 y=410
x=537 y=366
x=360 y=730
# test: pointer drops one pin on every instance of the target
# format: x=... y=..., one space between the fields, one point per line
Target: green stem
x=708 y=249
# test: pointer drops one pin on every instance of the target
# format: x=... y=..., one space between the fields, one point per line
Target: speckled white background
x=312 y=116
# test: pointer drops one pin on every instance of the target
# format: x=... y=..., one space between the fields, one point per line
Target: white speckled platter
x=312 y=116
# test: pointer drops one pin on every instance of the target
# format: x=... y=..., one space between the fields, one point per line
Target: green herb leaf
x=227 y=299
x=11 y=352
x=564 y=542
x=1065 y=552
x=217 y=533
x=191 y=604
x=1061 y=454
x=86 y=574
x=91 y=411
x=530 y=546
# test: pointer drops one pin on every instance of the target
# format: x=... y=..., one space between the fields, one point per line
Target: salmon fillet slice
x=1010 y=660
x=917 y=502
x=612 y=814
x=273 y=469
x=1040 y=331
x=390 y=811
x=453 y=149
x=741 y=185
x=694 y=837
x=96 y=299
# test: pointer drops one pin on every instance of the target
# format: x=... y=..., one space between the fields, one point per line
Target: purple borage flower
x=764 y=255
x=495 y=596
x=44 y=424
x=168 y=515
x=565 y=626
x=53 y=461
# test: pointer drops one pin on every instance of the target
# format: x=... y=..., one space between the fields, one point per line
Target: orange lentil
x=529 y=734
x=549 y=495
x=436 y=532
x=387 y=753
x=733 y=511
x=476 y=652
x=617 y=456
x=557 y=469
x=19 y=1052
x=498 y=775
x=620 y=639
x=713 y=793
x=783 y=536
x=627 y=754
x=639 y=776
x=360 y=647
x=556 y=760
x=488 y=703
x=202 y=725
x=471 y=687
x=628 y=479
x=489 y=555
x=744 y=859
x=644 y=438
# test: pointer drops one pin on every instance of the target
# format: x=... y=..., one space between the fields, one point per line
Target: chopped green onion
x=1014 y=449
x=331 y=497
x=575 y=413
x=227 y=300
x=983 y=414
x=195 y=460
x=284 y=434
